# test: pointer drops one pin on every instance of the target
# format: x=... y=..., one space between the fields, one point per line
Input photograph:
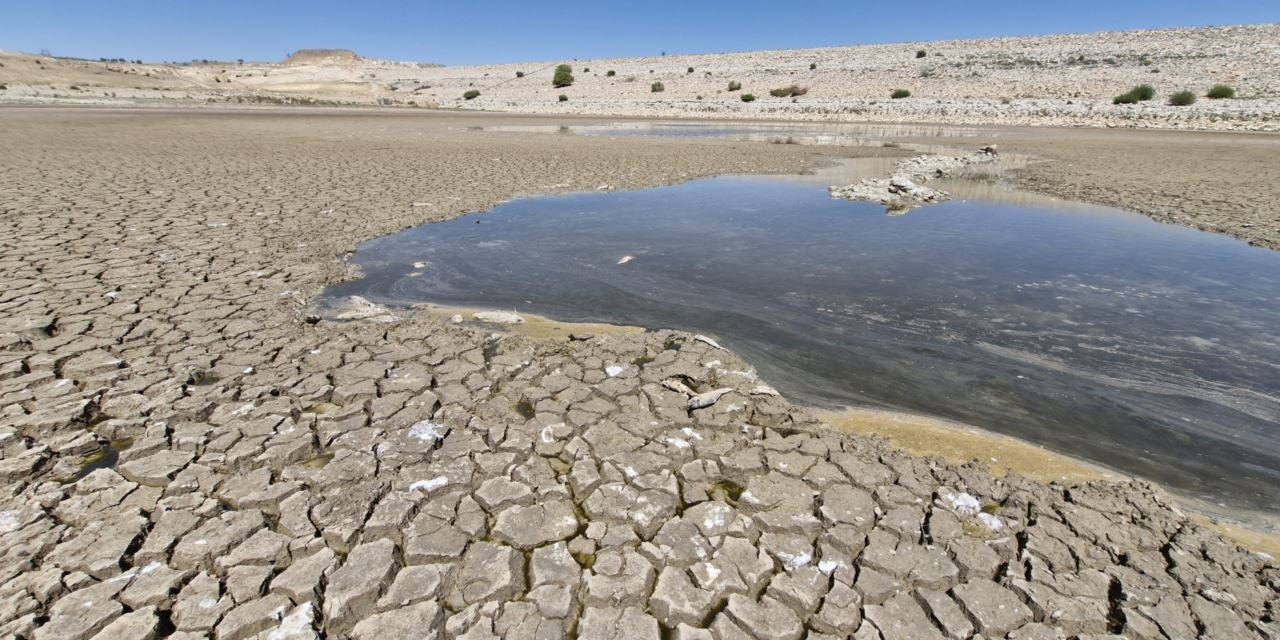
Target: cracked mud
x=186 y=456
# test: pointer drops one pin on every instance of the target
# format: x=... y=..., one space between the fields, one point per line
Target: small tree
x=657 y=87
x=563 y=76
x=471 y=94
x=610 y=73
x=899 y=94
x=564 y=98
x=1220 y=92
x=734 y=86
x=747 y=97
x=1182 y=99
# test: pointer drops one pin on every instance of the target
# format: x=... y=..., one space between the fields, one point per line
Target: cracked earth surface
x=184 y=456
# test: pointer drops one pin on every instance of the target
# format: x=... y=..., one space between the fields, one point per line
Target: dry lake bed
x=193 y=447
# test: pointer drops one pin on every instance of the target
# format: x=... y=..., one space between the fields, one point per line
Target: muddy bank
x=357 y=480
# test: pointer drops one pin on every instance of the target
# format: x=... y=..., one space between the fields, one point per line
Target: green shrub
x=690 y=70
x=921 y=53
x=610 y=73
x=657 y=87
x=586 y=69
x=1220 y=92
x=471 y=94
x=900 y=93
x=3 y=86
x=519 y=74
x=734 y=86
x=813 y=65
x=786 y=92
x=747 y=97
x=564 y=98
x=563 y=76
x=1182 y=99
x=1140 y=93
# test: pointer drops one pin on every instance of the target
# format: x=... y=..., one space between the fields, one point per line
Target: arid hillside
x=1047 y=80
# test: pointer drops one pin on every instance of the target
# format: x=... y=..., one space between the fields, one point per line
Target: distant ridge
x=323 y=56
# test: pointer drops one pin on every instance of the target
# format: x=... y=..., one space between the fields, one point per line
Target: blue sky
x=501 y=31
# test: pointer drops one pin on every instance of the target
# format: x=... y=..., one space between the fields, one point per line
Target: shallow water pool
x=1149 y=348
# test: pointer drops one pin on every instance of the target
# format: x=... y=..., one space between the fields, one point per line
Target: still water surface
x=1149 y=348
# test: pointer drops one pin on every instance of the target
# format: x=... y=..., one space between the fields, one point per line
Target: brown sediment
x=960 y=443
x=533 y=325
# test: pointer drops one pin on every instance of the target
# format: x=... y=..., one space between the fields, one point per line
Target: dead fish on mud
x=707 y=399
x=677 y=386
x=703 y=339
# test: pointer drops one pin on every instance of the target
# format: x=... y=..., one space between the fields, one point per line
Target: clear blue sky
x=501 y=31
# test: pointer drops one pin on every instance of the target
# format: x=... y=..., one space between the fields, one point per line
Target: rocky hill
x=1044 y=80
x=322 y=56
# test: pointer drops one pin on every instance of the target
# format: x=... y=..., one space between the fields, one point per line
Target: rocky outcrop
x=902 y=190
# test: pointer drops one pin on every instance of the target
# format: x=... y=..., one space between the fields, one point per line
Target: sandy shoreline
x=164 y=302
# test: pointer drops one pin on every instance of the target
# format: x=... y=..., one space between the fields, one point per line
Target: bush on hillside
x=472 y=94
x=900 y=93
x=734 y=86
x=1182 y=99
x=657 y=87
x=610 y=73
x=813 y=65
x=921 y=53
x=1220 y=92
x=747 y=97
x=786 y=92
x=690 y=70
x=563 y=76
x=564 y=98
x=519 y=74
x=1140 y=93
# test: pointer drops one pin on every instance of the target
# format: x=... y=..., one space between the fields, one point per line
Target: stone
x=766 y=618
x=618 y=579
x=253 y=617
x=354 y=587
x=993 y=609
x=153 y=586
x=901 y=618
x=840 y=613
x=157 y=469
x=141 y=624
x=946 y=612
x=536 y=525
x=200 y=604
x=424 y=621
x=489 y=572
x=301 y=581
x=676 y=601
x=415 y=584
x=607 y=623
